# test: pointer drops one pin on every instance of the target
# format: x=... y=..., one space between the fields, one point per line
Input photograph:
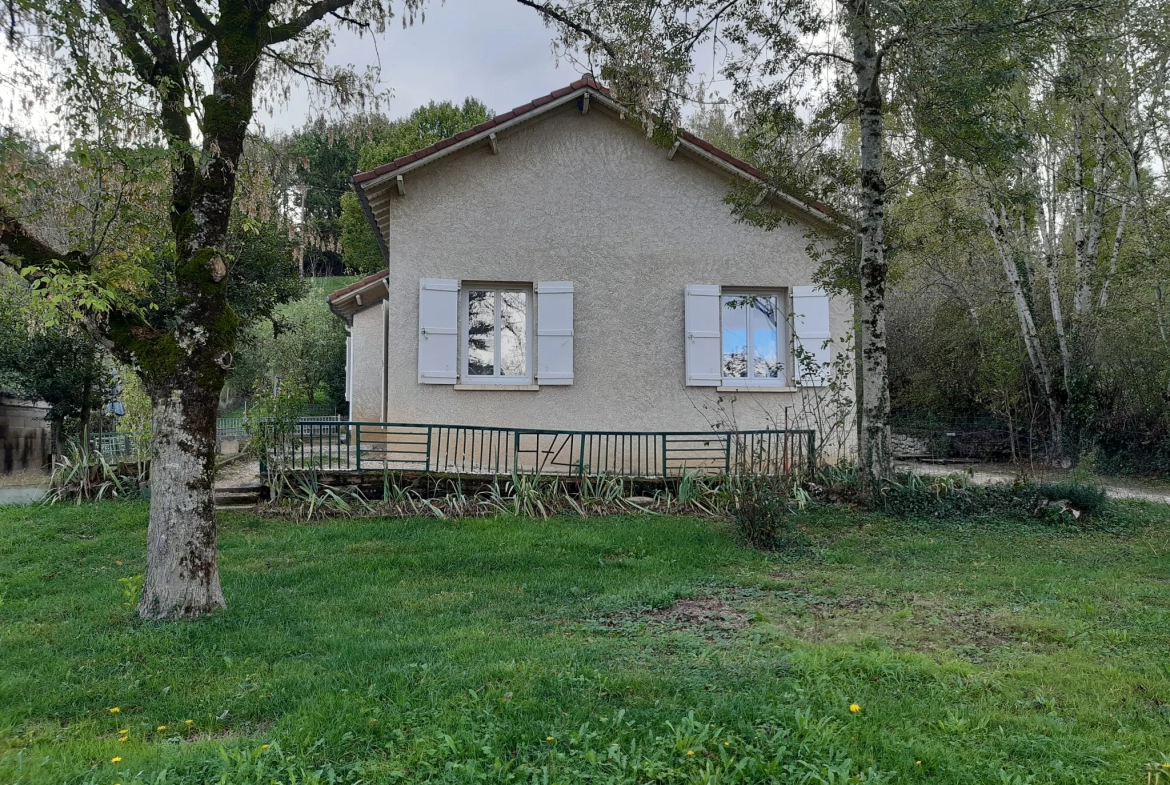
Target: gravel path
x=987 y=474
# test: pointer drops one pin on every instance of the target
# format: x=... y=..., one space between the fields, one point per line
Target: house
x=555 y=268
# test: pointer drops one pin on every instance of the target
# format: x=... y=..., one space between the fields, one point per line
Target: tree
x=161 y=54
x=844 y=63
x=422 y=128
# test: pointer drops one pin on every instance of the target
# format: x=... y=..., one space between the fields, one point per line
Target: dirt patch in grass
x=709 y=616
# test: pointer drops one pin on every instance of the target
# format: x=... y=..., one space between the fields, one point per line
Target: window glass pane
x=513 y=333
x=734 y=336
x=764 y=317
x=481 y=332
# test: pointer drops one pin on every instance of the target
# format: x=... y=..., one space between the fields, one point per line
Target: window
x=753 y=338
x=497 y=326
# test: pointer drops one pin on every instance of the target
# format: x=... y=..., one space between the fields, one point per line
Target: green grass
x=423 y=650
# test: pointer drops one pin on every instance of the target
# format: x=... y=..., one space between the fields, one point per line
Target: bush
x=913 y=495
x=761 y=506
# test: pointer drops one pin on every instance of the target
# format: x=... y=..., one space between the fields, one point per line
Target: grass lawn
x=508 y=650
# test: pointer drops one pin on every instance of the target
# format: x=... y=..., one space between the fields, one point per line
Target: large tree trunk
x=875 y=455
x=182 y=576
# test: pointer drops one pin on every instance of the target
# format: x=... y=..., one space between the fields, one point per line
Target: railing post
x=664 y=472
x=516 y=452
x=727 y=455
x=358 y=445
x=581 y=457
x=427 y=469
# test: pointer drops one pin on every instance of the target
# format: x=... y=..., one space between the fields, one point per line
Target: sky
x=495 y=50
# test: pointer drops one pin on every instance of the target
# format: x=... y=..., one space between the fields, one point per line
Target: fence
x=229 y=428
x=120 y=444
x=918 y=435
x=480 y=450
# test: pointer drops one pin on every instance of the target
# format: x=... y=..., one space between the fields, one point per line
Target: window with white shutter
x=497 y=330
x=811 y=334
x=701 y=323
x=754 y=332
x=438 y=331
x=554 y=332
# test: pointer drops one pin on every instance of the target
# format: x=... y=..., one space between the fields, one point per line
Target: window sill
x=499 y=387
x=761 y=388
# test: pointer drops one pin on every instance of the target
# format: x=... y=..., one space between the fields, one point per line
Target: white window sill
x=754 y=388
x=499 y=387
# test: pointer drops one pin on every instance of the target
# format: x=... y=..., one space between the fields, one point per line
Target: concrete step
x=234 y=507
x=237 y=488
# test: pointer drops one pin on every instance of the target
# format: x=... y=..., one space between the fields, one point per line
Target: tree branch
x=19 y=248
x=201 y=20
x=294 y=27
x=559 y=16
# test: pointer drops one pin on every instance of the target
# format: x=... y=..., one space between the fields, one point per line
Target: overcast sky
x=496 y=50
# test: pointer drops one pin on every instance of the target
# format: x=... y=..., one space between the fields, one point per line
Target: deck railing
x=485 y=450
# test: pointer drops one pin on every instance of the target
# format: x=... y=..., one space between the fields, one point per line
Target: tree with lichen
x=180 y=80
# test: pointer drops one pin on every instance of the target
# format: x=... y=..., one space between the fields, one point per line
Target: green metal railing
x=485 y=450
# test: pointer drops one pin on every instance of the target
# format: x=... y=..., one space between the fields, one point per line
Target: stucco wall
x=581 y=198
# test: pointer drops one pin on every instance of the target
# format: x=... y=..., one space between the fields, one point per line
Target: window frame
x=783 y=337
x=498 y=288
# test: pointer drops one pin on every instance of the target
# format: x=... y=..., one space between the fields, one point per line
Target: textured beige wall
x=368 y=364
x=586 y=199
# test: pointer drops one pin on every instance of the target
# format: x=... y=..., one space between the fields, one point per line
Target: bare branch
x=294 y=27
x=559 y=16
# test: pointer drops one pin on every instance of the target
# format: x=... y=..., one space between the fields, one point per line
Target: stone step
x=237 y=488
x=234 y=507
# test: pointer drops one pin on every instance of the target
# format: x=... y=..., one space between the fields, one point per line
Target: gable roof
x=374 y=187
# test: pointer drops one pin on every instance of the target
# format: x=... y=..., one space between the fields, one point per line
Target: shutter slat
x=703 y=337
x=810 y=328
x=438 y=331
x=554 y=332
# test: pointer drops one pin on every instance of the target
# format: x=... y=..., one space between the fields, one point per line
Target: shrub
x=914 y=495
x=761 y=506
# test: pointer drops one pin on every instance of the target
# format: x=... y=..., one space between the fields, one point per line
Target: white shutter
x=703 y=337
x=348 y=366
x=810 y=328
x=554 y=332
x=438 y=331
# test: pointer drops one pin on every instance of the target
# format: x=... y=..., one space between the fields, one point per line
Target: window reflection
x=513 y=325
x=481 y=332
x=752 y=345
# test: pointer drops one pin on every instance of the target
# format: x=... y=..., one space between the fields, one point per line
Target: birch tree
x=844 y=62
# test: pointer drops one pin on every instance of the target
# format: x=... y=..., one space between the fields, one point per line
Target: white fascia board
x=808 y=210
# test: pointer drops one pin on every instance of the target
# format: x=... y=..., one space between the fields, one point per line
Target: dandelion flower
x=690 y=753
x=853 y=707
x=727 y=744
x=188 y=722
x=124 y=731
x=115 y=760
x=917 y=763
x=161 y=728
x=115 y=710
x=123 y=738
x=265 y=746
x=550 y=738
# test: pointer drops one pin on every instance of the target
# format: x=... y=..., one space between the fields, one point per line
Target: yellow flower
x=690 y=753
x=853 y=707
x=124 y=731
x=265 y=746
x=550 y=738
x=115 y=710
x=727 y=744
x=188 y=722
x=161 y=728
x=917 y=763
x=115 y=760
x=123 y=738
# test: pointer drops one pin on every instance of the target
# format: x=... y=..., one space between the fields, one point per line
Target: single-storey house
x=554 y=268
